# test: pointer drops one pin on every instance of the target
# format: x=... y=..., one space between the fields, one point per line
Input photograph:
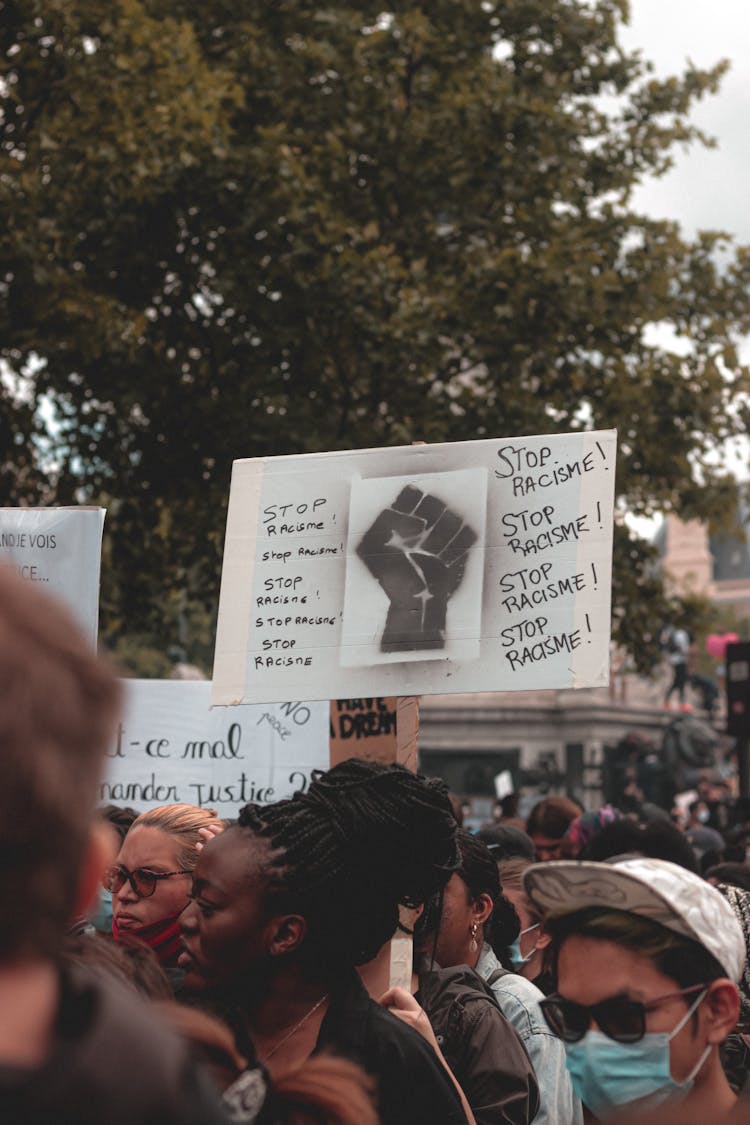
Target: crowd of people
x=163 y=966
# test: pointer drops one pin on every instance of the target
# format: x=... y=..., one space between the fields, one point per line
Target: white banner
x=464 y=567
x=171 y=749
x=61 y=549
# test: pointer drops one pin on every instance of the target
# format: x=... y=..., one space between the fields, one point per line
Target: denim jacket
x=518 y=1000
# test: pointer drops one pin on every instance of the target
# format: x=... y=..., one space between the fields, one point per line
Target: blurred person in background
x=703 y=839
x=675 y=643
x=715 y=791
x=70 y=1040
x=529 y=953
x=505 y=841
x=648 y=960
x=120 y=818
x=585 y=827
x=730 y=874
x=506 y=812
x=547 y=824
x=659 y=839
x=737 y=847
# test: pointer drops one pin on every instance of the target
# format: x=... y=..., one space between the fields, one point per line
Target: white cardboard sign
x=463 y=567
x=61 y=549
x=171 y=749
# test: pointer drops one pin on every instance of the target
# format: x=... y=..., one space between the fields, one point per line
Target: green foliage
x=262 y=228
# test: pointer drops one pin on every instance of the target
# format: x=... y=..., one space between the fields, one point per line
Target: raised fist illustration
x=417 y=550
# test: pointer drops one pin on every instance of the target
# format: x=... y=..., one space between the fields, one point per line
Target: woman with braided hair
x=287 y=903
x=475 y=925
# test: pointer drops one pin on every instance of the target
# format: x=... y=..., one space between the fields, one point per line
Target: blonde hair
x=183 y=822
x=511 y=871
x=511 y=878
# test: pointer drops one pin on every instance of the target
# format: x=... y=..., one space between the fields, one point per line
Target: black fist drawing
x=417 y=551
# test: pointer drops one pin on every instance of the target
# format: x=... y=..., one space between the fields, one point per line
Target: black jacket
x=480 y=1046
x=111 y=1061
x=412 y=1084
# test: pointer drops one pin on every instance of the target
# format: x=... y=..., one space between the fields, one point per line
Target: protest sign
x=61 y=549
x=363 y=728
x=470 y=566
x=171 y=748
x=381 y=730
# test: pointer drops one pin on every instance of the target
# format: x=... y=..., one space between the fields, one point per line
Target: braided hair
x=364 y=839
x=478 y=871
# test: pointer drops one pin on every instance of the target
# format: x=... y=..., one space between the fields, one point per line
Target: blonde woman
x=529 y=953
x=151 y=878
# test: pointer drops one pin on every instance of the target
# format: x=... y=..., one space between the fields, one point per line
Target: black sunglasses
x=141 y=880
x=618 y=1017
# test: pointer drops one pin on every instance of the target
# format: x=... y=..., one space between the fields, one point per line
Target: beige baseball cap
x=652 y=888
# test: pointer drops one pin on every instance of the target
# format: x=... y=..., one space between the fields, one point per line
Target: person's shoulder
x=518 y=1000
x=412 y=1084
x=705 y=838
x=458 y=982
x=488 y=962
x=122 y=1017
x=390 y=1042
x=388 y=1035
x=106 y=1033
x=524 y=990
x=466 y=1007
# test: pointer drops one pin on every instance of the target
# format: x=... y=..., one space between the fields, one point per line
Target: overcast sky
x=708 y=188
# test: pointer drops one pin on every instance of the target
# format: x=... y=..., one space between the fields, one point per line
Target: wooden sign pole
x=382 y=730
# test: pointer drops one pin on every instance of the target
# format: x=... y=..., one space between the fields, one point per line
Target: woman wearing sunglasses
x=150 y=880
x=647 y=959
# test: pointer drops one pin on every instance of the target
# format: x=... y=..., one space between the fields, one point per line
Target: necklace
x=295 y=1029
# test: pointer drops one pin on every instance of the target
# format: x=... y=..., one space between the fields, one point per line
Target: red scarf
x=163 y=937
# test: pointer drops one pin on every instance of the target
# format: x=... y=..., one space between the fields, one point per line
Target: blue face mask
x=101 y=915
x=516 y=957
x=608 y=1075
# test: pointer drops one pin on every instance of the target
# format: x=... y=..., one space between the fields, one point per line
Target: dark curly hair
x=363 y=840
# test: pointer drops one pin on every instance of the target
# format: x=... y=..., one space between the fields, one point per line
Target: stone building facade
x=555 y=741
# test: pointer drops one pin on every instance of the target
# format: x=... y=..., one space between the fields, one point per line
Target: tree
x=232 y=230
